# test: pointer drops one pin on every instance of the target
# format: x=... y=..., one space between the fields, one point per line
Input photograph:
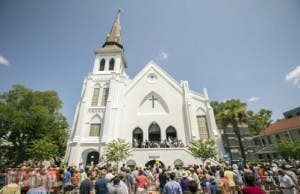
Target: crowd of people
x=170 y=142
x=225 y=179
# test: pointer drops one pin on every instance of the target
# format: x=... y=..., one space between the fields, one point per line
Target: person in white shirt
x=286 y=183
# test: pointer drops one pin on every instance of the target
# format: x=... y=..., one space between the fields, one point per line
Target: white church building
x=153 y=111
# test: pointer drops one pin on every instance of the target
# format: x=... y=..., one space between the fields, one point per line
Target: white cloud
x=3 y=61
x=294 y=76
x=162 y=56
x=253 y=99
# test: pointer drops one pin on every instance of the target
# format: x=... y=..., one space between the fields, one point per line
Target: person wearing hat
x=184 y=182
x=289 y=172
x=195 y=177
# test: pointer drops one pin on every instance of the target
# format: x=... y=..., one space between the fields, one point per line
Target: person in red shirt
x=142 y=183
x=224 y=184
x=250 y=187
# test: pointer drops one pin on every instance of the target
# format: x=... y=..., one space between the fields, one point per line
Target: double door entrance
x=92 y=158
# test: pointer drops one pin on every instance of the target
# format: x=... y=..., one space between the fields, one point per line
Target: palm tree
x=232 y=112
x=259 y=121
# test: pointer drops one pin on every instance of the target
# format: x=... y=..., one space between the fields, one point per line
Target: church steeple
x=112 y=50
x=114 y=37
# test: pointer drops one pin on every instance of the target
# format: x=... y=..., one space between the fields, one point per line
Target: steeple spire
x=114 y=37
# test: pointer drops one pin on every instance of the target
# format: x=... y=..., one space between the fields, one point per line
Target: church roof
x=158 y=70
x=113 y=39
x=282 y=125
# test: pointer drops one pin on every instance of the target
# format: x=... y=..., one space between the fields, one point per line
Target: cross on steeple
x=153 y=99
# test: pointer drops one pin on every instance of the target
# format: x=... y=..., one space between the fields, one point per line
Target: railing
x=95 y=110
x=166 y=143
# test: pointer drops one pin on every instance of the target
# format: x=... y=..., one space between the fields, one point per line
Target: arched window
x=154 y=133
x=111 y=64
x=137 y=137
x=171 y=132
x=102 y=65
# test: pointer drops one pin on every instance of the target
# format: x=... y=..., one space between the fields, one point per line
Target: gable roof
x=157 y=69
x=282 y=125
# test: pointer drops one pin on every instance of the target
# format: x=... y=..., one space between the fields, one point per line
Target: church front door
x=154 y=133
x=92 y=158
x=155 y=163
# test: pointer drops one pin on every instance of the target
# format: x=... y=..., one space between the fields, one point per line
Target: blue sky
x=236 y=49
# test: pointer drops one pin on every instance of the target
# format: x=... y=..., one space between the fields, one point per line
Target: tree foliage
x=235 y=113
x=232 y=113
x=203 y=149
x=29 y=119
x=42 y=149
x=259 y=121
x=117 y=150
x=289 y=149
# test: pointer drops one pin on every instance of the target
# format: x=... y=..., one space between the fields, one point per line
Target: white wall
x=138 y=114
x=127 y=109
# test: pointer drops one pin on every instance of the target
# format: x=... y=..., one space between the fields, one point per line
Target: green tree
x=117 y=150
x=232 y=113
x=289 y=149
x=203 y=149
x=260 y=121
x=42 y=149
x=27 y=116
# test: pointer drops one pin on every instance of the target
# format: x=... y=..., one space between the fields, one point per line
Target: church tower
x=101 y=101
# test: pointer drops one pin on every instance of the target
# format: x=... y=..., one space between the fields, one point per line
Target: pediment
x=152 y=72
